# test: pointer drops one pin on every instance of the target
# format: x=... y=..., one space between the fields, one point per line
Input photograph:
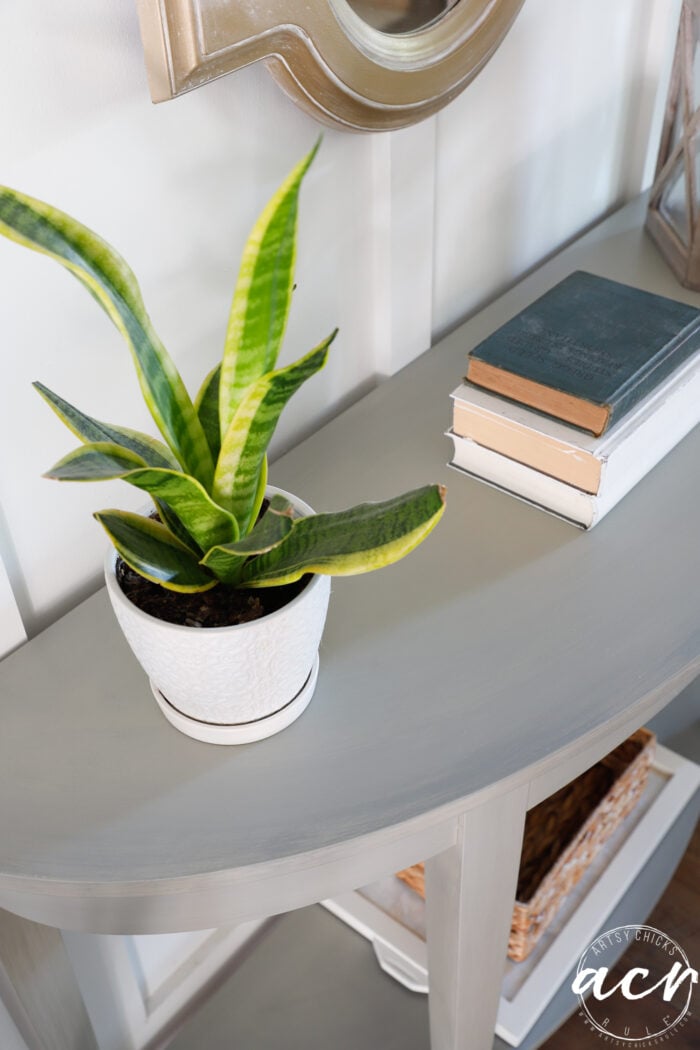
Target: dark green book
x=587 y=351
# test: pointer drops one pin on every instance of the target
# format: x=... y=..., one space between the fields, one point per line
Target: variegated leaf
x=226 y=561
x=236 y=481
x=260 y=492
x=153 y=452
x=99 y=461
x=151 y=550
x=262 y=295
x=206 y=522
x=206 y=405
x=105 y=274
x=170 y=519
x=369 y=536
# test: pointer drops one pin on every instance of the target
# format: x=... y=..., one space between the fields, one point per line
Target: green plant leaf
x=100 y=461
x=152 y=452
x=152 y=551
x=361 y=539
x=206 y=405
x=262 y=295
x=105 y=274
x=236 y=480
x=226 y=561
x=171 y=520
x=206 y=522
x=260 y=493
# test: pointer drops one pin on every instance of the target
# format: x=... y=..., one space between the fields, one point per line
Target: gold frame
x=331 y=63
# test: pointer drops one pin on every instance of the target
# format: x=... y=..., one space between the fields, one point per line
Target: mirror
x=400 y=16
x=363 y=65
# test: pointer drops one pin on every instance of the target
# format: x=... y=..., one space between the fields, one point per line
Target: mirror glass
x=400 y=16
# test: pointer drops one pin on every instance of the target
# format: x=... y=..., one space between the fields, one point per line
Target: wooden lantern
x=673 y=219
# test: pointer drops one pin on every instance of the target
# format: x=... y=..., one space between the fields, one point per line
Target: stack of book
x=569 y=404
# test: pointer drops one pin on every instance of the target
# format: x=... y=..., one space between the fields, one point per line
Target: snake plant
x=207 y=476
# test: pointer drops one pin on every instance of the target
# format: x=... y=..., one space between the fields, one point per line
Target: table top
x=503 y=644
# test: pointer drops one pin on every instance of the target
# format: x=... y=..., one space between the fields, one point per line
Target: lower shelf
x=623 y=885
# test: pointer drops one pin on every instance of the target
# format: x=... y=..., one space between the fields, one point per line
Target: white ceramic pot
x=230 y=684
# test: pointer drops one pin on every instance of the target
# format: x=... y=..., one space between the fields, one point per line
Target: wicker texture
x=564 y=833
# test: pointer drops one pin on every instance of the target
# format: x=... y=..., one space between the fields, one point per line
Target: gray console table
x=506 y=655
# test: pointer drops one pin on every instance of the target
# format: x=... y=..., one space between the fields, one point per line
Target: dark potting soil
x=219 y=607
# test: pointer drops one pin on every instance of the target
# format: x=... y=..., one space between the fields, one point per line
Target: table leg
x=38 y=987
x=470 y=889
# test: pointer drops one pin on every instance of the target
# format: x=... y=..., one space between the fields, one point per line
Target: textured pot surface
x=228 y=675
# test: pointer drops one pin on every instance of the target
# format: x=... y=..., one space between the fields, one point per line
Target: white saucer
x=242 y=732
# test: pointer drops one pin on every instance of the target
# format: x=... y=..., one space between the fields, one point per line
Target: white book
x=590 y=463
x=635 y=458
x=541 y=490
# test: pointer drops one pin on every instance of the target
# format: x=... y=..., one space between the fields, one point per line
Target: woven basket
x=564 y=833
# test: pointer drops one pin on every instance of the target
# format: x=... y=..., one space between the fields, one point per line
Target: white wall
x=561 y=126
x=400 y=235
